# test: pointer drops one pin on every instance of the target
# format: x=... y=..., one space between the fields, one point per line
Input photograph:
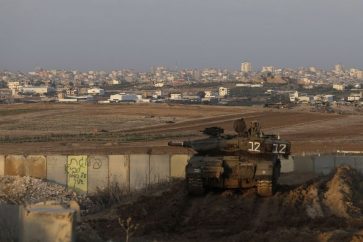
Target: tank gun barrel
x=179 y=143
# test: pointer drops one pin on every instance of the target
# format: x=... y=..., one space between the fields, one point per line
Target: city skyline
x=108 y=35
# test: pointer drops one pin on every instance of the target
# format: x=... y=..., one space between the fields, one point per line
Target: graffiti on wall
x=77 y=175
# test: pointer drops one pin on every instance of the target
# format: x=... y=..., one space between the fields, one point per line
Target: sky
x=140 y=34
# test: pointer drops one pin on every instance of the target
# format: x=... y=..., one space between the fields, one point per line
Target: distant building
x=305 y=99
x=113 y=82
x=339 y=87
x=355 y=97
x=246 y=67
x=42 y=90
x=324 y=98
x=96 y=91
x=207 y=93
x=14 y=87
x=338 y=69
x=124 y=97
x=268 y=69
x=223 y=91
x=159 y=84
x=5 y=94
x=175 y=96
x=294 y=96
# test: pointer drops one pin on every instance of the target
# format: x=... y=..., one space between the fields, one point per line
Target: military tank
x=246 y=159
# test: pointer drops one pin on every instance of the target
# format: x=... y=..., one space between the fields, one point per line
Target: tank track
x=195 y=184
x=265 y=188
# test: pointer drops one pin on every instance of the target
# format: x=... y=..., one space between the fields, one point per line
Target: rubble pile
x=340 y=194
x=27 y=190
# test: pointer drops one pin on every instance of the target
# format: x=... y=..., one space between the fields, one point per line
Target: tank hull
x=233 y=172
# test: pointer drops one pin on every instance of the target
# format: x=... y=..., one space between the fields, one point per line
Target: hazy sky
x=115 y=34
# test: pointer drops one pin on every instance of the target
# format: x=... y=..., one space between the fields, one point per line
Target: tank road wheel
x=265 y=188
x=195 y=184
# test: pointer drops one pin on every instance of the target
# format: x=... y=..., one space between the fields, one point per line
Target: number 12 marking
x=279 y=148
x=254 y=146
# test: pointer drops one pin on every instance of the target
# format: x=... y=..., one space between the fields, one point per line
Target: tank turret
x=246 y=159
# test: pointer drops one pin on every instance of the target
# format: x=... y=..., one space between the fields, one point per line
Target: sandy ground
x=309 y=132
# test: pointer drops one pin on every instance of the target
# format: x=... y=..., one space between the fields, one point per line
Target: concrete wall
x=131 y=172
x=47 y=223
x=119 y=171
x=159 y=168
x=345 y=160
x=56 y=169
x=36 y=166
x=303 y=164
x=14 y=165
x=323 y=164
x=287 y=165
x=2 y=165
x=177 y=165
x=139 y=171
x=77 y=173
x=97 y=173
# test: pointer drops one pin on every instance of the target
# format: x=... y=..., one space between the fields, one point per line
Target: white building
x=268 y=69
x=354 y=97
x=159 y=84
x=324 y=98
x=339 y=87
x=208 y=94
x=175 y=96
x=294 y=96
x=124 y=97
x=36 y=90
x=96 y=91
x=305 y=99
x=14 y=87
x=246 y=67
x=223 y=91
x=338 y=69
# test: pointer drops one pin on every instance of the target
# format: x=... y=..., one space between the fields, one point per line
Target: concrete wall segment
x=2 y=165
x=324 y=164
x=159 y=168
x=56 y=169
x=139 y=171
x=36 y=166
x=77 y=173
x=303 y=164
x=119 y=171
x=15 y=165
x=345 y=160
x=97 y=173
x=287 y=165
x=177 y=165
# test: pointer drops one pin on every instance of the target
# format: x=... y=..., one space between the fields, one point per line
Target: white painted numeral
x=254 y=146
x=282 y=148
x=278 y=148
